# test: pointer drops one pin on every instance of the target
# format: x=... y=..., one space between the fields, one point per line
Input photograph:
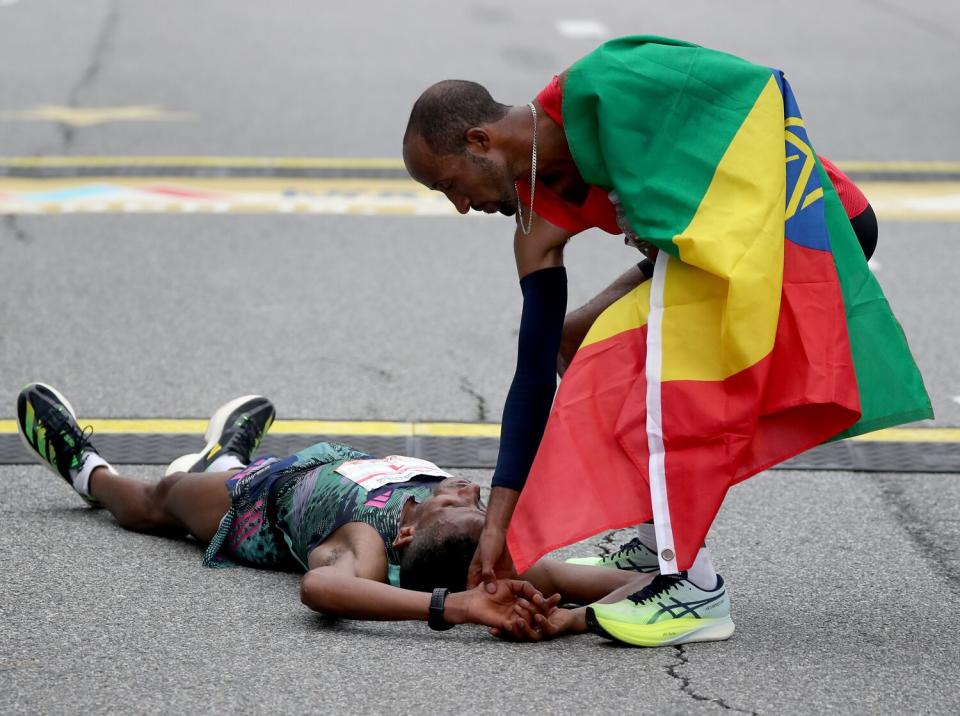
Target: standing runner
x=658 y=135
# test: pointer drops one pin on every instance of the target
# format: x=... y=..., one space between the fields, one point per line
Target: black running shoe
x=235 y=428
x=48 y=427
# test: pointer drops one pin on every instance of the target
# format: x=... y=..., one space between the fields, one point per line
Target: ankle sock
x=227 y=461
x=701 y=572
x=81 y=482
x=647 y=534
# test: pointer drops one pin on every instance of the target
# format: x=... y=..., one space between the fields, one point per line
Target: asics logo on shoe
x=679 y=609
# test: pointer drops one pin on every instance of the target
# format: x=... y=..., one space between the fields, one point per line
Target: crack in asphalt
x=608 y=544
x=467 y=387
x=911 y=520
x=673 y=670
x=92 y=69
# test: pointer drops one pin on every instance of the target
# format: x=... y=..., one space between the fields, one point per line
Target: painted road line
x=928 y=201
x=90 y=116
x=907 y=201
x=899 y=167
x=386 y=428
x=205 y=162
x=578 y=29
x=221 y=195
x=188 y=160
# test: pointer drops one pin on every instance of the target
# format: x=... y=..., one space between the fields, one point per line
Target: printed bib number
x=371 y=474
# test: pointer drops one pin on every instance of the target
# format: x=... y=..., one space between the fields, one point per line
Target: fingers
x=489 y=549
x=473 y=571
x=546 y=627
x=550 y=604
x=489 y=578
x=525 y=590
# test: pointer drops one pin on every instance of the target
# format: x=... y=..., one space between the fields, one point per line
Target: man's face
x=456 y=503
x=469 y=180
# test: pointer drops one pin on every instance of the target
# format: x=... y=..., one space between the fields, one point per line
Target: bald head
x=446 y=110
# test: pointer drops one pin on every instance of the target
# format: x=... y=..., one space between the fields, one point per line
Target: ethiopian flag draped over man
x=762 y=333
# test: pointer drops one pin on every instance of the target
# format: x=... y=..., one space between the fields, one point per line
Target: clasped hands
x=515 y=610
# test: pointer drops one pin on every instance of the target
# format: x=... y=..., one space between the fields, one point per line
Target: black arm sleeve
x=646 y=268
x=535 y=381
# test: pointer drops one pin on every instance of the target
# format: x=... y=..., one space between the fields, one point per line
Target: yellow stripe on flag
x=622 y=315
x=722 y=300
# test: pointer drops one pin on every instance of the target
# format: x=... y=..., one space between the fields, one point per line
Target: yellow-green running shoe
x=670 y=610
x=634 y=556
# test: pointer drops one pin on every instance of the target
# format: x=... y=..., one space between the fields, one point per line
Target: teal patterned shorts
x=245 y=535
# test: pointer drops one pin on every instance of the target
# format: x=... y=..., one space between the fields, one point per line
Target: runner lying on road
x=371 y=535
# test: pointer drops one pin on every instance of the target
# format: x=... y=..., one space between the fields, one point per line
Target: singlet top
x=597 y=211
x=314 y=503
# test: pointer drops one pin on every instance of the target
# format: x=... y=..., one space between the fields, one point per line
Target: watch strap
x=435 y=619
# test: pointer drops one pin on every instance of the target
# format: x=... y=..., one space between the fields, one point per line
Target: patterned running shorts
x=245 y=535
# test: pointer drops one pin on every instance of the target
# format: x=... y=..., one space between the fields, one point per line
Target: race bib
x=371 y=474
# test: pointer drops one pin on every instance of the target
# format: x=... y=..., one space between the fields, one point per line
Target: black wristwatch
x=435 y=620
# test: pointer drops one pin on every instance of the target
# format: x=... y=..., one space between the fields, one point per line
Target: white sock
x=701 y=572
x=81 y=482
x=648 y=536
x=227 y=461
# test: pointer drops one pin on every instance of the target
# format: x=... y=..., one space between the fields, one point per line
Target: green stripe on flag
x=681 y=109
x=888 y=380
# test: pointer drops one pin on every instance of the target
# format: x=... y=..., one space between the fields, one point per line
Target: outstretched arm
x=543 y=281
x=337 y=593
x=350 y=585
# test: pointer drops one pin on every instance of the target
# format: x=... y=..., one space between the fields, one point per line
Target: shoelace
x=83 y=443
x=58 y=426
x=630 y=546
x=247 y=437
x=660 y=584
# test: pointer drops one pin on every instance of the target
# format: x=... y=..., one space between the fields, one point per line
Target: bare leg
x=578 y=322
x=178 y=504
x=583 y=584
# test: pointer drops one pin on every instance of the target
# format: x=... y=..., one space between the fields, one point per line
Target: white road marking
x=874 y=265
x=582 y=28
x=8 y=3
x=956 y=399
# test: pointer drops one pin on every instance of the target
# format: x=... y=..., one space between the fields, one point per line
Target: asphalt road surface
x=845 y=585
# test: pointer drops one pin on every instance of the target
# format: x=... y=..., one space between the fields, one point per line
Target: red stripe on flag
x=591 y=472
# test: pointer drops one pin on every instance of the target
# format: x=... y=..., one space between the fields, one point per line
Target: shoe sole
x=677 y=631
x=214 y=430
x=23 y=437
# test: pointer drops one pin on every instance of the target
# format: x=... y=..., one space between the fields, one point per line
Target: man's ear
x=478 y=140
x=404 y=536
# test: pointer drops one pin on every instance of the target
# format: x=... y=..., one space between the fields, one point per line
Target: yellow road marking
x=893 y=167
x=193 y=161
x=924 y=167
x=213 y=184
x=386 y=428
x=893 y=200
x=89 y=116
x=930 y=201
